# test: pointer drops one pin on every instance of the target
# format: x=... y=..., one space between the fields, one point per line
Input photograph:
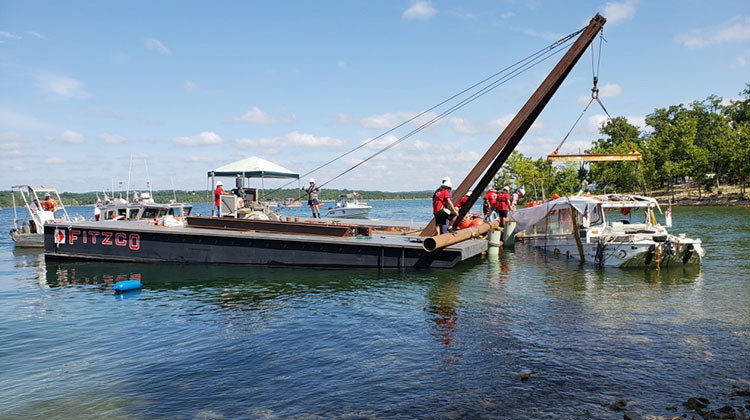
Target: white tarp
x=530 y=216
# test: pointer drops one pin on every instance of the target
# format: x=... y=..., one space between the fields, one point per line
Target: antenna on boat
x=127 y=192
x=148 y=179
x=174 y=193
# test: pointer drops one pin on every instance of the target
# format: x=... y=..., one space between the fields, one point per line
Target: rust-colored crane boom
x=514 y=132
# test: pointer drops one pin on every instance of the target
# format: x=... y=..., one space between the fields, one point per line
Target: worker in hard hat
x=442 y=206
x=489 y=204
x=516 y=197
x=217 y=197
x=503 y=204
x=312 y=191
x=49 y=203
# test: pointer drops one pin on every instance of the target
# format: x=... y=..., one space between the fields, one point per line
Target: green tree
x=621 y=136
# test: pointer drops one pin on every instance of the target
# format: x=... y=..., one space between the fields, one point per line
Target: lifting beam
x=494 y=158
x=557 y=157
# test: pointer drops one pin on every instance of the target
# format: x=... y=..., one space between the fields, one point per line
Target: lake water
x=208 y=342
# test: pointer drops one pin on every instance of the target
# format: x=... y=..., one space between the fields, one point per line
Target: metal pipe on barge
x=433 y=243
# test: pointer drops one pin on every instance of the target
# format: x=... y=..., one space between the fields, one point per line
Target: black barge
x=235 y=241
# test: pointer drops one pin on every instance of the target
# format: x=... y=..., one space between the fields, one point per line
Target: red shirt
x=463 y=201
x=502 y=201
x=440 y=199
x=219 y=191
x=491 y=198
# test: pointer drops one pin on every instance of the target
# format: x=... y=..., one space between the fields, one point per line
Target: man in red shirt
x=442 y=207
x=503 y=204
x=217 y=194
x=463 y=200
x=490 y=203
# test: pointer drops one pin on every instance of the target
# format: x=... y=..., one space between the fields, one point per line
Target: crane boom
x=499 y=151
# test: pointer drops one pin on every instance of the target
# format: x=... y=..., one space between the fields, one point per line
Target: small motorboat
x=349 y=207
x=608 y=230
x=29 y=233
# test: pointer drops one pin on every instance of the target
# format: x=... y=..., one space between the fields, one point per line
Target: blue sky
x=190 y=86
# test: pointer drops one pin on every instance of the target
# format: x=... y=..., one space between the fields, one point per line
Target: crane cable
x=450 y=110
x=518 y=63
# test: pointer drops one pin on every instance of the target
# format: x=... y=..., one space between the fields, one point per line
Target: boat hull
x=157 y=244
x=27 y=240
x=349 y=213
x=622 y=254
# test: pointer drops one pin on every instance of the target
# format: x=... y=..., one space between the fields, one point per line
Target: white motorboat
x=611 y=230
x=29 y=233
x=141 y=207
x=349 y=207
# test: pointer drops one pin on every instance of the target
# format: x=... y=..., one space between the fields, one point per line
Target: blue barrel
x=127 y=285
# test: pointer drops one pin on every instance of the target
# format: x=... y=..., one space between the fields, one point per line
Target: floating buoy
x=476 y=222
x=127 y=285
x=464 y=223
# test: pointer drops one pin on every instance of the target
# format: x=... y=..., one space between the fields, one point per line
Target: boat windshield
x=627 y=216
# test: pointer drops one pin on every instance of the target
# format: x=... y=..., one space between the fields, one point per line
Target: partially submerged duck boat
x=349 y=207
x=608 y=230
x=29 y=233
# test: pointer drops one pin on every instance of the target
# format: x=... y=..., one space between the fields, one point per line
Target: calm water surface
x=202 y=342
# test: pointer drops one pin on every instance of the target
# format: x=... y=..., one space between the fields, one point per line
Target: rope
x=531 y=57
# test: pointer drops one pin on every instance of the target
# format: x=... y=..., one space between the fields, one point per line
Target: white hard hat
x=506 y=189
x=469 y=192
x=46 y=195
x=219 y=183
x=312 y=180
x=446 y=179
x=447 y=183
x=522 y=191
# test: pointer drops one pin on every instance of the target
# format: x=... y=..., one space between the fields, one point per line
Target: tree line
x=202 y=196
x=703 y=144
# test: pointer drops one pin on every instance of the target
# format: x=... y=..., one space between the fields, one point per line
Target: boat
x=616 y=230
x=141 y=207
x=29 y=233
x=349 y=207
x=290 y=202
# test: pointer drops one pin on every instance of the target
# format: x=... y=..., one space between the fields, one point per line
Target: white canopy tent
x=252 y=167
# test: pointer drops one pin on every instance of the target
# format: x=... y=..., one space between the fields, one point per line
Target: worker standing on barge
x=442 y=206
x=312 y=198
x=217 y=197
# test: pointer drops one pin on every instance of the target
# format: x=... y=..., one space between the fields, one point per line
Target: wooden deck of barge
x=143 y=242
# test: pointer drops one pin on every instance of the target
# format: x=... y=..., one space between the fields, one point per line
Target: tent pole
x=213 y=189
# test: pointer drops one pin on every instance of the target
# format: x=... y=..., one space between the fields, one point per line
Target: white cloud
x=190 y=86
x=609 y=90
x=69 y=137
x=594 y=123
x=462 y=126
x=341 y=119
x=550 y=36
x=735 y=29
x=54 y=160
x=36 y=35
x=201 y=159
x=392 y=119
x=111 y=138
x=293 y=139
x=154 y=44
x=342 y=64
x=10 y=136
x=618 y=12
x=506 y=15
x=18 y=121
x=421 y=10
x=62 y=86
x=8 y=35
x=740 y=61
x=258 y=116
x=205 y=138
